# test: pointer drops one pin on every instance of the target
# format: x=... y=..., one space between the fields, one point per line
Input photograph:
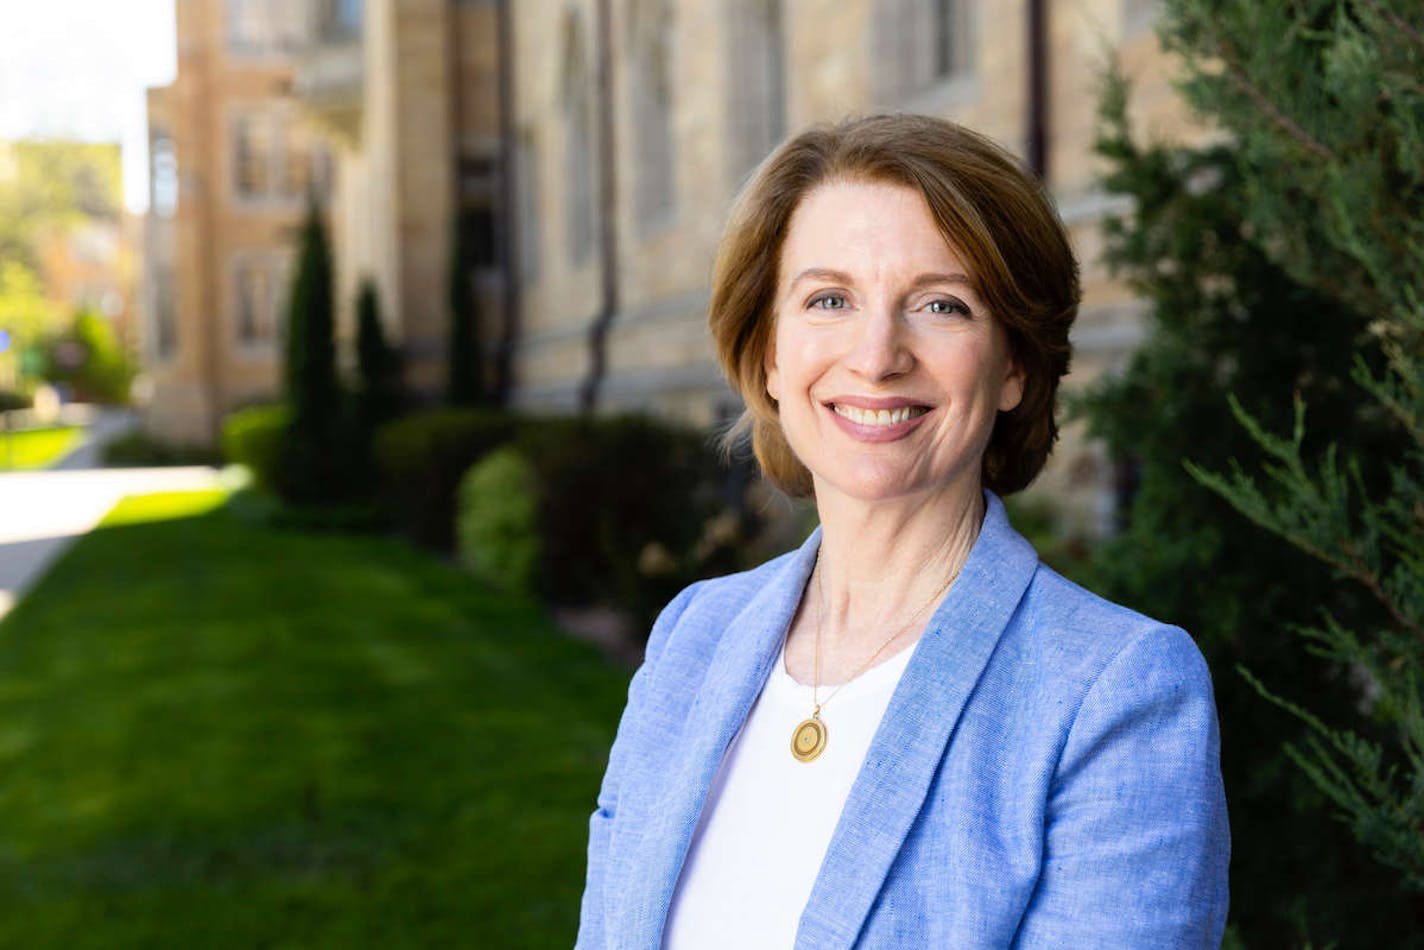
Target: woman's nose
x=879 y=350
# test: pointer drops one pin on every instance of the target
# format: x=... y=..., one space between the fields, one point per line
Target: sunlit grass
x=36 y=448
x=216 y=734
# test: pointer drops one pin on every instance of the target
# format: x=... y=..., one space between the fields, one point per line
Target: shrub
x=254 y=437
x=142 y=449
x=11 y=401
x=420 y=460
x=498 y=521
x=623 y=504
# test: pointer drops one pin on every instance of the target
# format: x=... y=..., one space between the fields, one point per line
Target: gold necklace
x=809 y=739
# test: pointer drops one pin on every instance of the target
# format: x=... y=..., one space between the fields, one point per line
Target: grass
x=217 y=734
x=36 y=448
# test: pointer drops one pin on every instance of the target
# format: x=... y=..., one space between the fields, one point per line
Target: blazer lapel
x=746 y=648
x=912 y=737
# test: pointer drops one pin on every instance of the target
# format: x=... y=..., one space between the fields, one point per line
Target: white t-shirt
x=769 y=818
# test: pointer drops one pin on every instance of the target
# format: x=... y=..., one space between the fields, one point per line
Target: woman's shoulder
x=1082 y=635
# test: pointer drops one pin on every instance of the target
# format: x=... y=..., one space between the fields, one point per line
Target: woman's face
x=887 y=369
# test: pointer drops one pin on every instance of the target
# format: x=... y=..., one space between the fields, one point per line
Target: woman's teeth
x=878 y=417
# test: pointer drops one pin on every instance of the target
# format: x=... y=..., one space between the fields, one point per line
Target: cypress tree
x=466 y=383
x=1229 y=316
x=312 y=464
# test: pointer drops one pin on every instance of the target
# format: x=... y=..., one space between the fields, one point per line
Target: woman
x=908 y=733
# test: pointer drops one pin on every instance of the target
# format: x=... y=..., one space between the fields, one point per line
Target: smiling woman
x=805 y=759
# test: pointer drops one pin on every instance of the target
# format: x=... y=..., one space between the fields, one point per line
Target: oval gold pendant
x=809 y=739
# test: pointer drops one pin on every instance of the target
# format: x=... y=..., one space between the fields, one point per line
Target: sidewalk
x=42 y=513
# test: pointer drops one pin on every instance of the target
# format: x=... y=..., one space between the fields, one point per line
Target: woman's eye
x=829 y=302
x=947 y=307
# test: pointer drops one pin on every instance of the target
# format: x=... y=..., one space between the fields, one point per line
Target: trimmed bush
x=254 y=437
x=11 y=401
x=420 y=460
x=141 y=449
x=498 y=521
x=623 y=503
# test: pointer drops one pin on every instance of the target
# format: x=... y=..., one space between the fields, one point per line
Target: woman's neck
x=882 y=566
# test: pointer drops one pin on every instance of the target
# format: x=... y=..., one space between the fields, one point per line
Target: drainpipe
x=608 y=235
x=1036 y=135
x=507 y=207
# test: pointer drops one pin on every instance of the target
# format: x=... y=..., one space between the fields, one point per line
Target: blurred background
x=358 y=417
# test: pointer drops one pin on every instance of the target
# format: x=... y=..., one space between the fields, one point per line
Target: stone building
x=636 y=121
x=405 y=92
x=588 y=152
x=234 y=161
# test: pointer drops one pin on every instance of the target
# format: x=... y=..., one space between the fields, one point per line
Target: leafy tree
x=467 y=386
x=312 y=455
x=1328 y=112
x=25 y=315
x=90 y=358
x=1227 y=316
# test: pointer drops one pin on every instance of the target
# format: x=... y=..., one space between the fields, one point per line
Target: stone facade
x=234 y=161
x=809 y=61
x=414 y=123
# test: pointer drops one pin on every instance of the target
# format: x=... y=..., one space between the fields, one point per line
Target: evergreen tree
x=467 y=386
x=375 y=360
x=313 y=448
x=1328 y=112
x=1227 y=317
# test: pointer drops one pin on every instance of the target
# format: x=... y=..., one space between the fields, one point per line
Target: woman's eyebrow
x=841 y=277
x=821 y=273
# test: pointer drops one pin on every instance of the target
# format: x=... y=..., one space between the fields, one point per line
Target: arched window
x=916 y=45
x=756 y=82
x=650 y=80
x=580 y=157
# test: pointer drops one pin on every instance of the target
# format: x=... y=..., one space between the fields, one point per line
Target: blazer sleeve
x=600 y=826
x=1136 y=841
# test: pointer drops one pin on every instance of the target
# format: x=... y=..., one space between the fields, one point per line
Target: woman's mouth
x=878 y=417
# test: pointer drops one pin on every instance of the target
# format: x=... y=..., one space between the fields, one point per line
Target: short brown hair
x=988 y=206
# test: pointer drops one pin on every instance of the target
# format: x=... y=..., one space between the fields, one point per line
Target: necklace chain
x=820 y=610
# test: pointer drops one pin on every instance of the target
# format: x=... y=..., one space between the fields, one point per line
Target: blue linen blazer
x=1046 y=774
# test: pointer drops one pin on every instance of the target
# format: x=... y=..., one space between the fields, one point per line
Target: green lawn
x=216 y=734
x=36 y=448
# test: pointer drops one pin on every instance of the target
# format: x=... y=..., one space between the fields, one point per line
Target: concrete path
x=42 y=513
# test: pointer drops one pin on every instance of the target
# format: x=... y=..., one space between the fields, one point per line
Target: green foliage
x=219 y=735
x=315 y=458
x=631 y=510
x=1225 y=316
x=420 y=459
x=378 y=396
x=498 y=521
x=467 y=384
x=140 y=449
x=27 y=316
x=91 y=360
x=1329 y=116
x=254 y=437
x=53 y=185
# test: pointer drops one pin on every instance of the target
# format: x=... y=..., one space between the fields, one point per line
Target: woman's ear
x=773 y=378
x=1012 y=389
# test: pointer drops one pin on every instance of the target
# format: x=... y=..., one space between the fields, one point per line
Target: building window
x=756 y=73
x=339 y=19
x=1138 y=16
x=274 y=159
x=651 y=92
x=258 y=298
x=479 y=190
x=526 y=183
x=163 y=175
x=165 y=320
x=918 y=45
x=267 y=27
x=579 y=154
